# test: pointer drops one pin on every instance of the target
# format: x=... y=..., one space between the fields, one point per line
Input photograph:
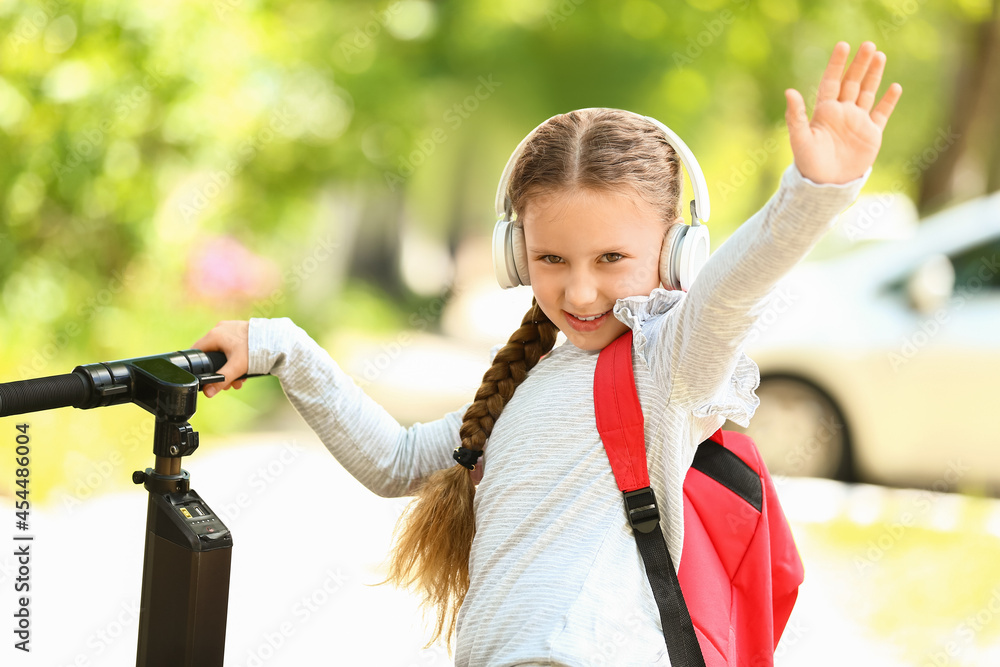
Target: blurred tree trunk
x=971 y=165
x=376 y=249
x=458 y=224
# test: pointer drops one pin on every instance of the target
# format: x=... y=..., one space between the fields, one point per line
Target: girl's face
x=587 y=249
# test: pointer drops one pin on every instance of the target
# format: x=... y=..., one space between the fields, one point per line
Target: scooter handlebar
x=56 y=391
x=94 y=385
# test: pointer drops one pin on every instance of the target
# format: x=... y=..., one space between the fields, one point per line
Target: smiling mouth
x=589 y=318
x=586 y=324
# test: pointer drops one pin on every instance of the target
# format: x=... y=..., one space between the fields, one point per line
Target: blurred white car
x=883 y=364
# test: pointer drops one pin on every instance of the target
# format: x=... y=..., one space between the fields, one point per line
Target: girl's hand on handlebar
x=231 y=337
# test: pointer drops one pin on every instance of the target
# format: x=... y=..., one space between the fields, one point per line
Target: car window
x=978 y=268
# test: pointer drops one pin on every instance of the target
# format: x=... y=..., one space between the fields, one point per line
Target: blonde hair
x=593 y=148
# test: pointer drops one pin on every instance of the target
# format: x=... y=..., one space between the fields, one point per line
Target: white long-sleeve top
x=556 y=578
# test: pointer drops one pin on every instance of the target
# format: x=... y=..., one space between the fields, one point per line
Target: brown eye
x=611 y=257
x=550 y=259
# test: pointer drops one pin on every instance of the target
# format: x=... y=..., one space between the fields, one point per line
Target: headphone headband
x=700 y=209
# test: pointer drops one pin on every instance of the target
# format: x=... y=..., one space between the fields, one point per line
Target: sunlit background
x=169 y=165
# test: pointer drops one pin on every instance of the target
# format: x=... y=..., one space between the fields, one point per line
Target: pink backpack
x=740 y=572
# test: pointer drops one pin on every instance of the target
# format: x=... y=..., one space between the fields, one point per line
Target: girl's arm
x=707 y=369
x=387 y=458
x=833 y=154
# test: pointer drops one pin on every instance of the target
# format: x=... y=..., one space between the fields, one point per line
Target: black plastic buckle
x=643 y=514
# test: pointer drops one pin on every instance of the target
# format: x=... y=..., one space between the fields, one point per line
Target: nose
x=581 y=290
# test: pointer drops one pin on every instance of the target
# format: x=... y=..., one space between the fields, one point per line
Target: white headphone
x=685 y=247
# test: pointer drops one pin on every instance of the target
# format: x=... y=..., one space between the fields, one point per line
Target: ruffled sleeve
x=653 y=328
x=642 y=314
x=737 y=400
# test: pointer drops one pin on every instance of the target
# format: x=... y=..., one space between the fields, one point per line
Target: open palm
x=843 y=138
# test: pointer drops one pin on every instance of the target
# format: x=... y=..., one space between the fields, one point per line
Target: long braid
x=434 y=535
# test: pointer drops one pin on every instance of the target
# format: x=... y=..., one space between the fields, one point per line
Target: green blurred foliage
x=134 y=132
x=168 y=165
x=893 y=578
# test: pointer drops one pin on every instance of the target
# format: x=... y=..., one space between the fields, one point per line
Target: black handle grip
x=218 y=360
x=97 y=385
x=55 y=391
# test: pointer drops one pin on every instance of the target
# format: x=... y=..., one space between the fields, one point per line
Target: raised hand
x=843 y=138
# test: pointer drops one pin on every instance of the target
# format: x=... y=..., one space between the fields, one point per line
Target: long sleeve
x=696 y=351
x=361 y=435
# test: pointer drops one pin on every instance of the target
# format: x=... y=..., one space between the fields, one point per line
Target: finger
x=851 y=84
x=795 y=116
x=206 y=343
x=209 y=343
x=229 y=372
x=872 y=80
x=238 y=384
x=880 y=114
x=829 y=85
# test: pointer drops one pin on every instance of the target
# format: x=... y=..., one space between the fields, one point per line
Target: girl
x=535 y=564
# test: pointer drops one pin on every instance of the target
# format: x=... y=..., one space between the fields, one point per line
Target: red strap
x=619 y=414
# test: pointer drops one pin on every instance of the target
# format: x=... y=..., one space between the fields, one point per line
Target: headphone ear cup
x=510 y=262
x=694 y=251
x=503 y=263
x=685 y=250
x=669 y=255
x=520 y=253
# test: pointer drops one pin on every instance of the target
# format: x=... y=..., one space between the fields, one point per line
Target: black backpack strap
x=729 y=470
x=678 y=631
